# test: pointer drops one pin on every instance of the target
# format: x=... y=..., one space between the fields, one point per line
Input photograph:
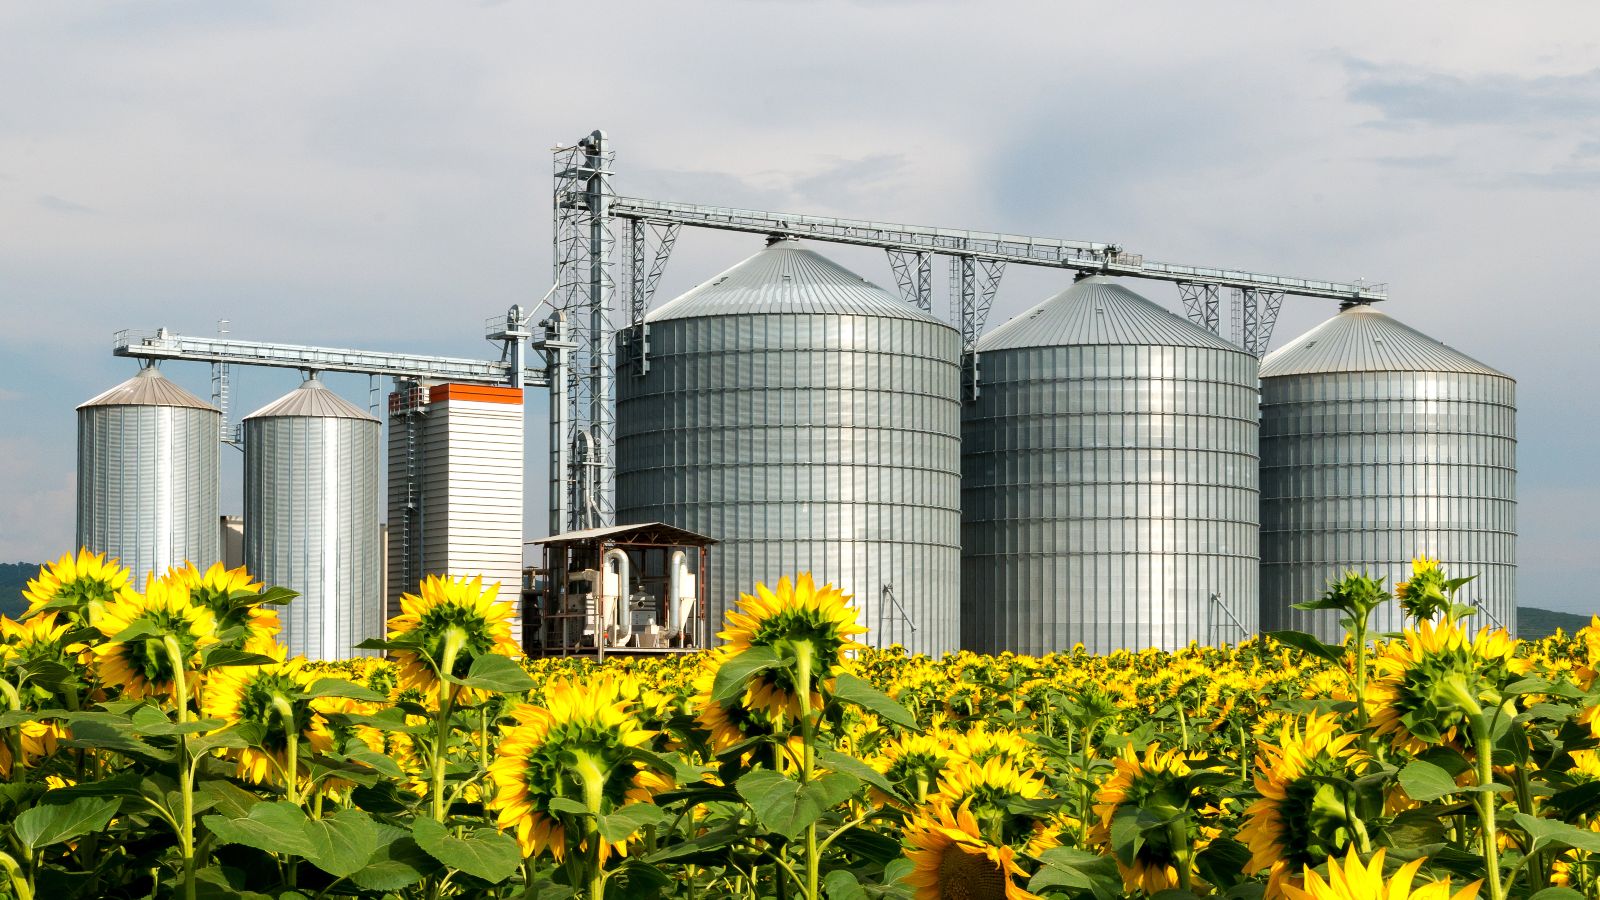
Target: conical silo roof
x=148 y=388
x=311 y=400
x=1098 y=310
x=1362 y=339
x=787 y=278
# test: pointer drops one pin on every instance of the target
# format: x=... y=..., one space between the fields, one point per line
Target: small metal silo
x=1108 y=480
x=148 y=476
x=808 y=420
x=1378 y=444
x=311 y=517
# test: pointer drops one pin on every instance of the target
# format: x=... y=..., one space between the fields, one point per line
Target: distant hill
x=1534 y=623
x=13 y=578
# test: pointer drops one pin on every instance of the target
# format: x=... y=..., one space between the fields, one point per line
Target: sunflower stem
x=1178 y=835
x=1359 y=633
x=808 y=736
x=291 y=754
x=594 y=787
x=1484 y=800
x=180 y=687
x=454 y=640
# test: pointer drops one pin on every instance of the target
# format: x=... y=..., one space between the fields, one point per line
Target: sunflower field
x=160 y=744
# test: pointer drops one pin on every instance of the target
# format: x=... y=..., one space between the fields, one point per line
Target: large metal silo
x=808 y=420
x=311 y=517
x=1378 y=444
x=148 y=476
x=1108 y=480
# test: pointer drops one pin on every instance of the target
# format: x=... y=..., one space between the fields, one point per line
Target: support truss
x=1200 y=304
x=973 y=283
x=645 y=240
x=913 y=272
x=584 y=293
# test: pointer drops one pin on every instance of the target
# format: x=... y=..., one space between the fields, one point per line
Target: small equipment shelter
x=624 y=589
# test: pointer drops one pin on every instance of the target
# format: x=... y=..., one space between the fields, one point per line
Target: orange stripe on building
x=477 y=393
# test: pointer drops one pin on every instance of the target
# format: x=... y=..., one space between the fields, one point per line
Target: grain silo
x=311 y=517
x=147 y=476
x=1108 y=480
x=808 y=420
x=1378 y=444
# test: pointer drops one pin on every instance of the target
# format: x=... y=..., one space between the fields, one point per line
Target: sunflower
x=913 y=763
x=1424 y=596
x=730 y=721
x=142 y=665
x=38 y=637
x=38 y=742
x=216 y=589
x=452 y=619
x=76 y=585
x=262 y=696
x=1430 y=682
x=578 y=746
x=1153 y=783
x=981 y=745
x=797 y=615
x=952 y=861
x=1301 y=819
x=1354 y=881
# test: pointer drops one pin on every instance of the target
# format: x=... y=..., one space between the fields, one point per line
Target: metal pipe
x=619 y=614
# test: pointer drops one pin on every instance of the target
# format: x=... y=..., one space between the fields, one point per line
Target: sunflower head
x=913 y=763
x=1426 y=595
x=76 y=586
x=228 y=594
x=1354 y=880
x=142 y=663
x=797 y=619
x=1155 y=783
x=951 y=860
x=269 y=697
x=579 y=746
x=39 y=637
x=1433 y=679
x=1303 y=816
x=450 y=622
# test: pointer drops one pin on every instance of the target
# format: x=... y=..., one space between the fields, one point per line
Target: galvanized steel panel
x=148 y=476
x=1395 y=449
x=815 y=429
x=311 y=519
x=1108 y=481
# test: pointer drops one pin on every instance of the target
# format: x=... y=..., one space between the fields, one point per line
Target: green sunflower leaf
x=397 y=863
x=625 y=822
x=338 y=687
x=344 y=842
x=493 y=672
x=1425 y=781
x=851 y=689
x=565 y=806
x=733 y=675
x=485 y=853
x=1549 y=832
x=842 y=885
x=1074 y=869
x=1222 y=862
x=235 y=738
x=221 y=655
x=785 y=806
x=849 y=765
x=1306 y=643
x=276 y=827
x=48 y=824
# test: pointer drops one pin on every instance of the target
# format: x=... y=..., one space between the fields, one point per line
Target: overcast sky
x=377 y=175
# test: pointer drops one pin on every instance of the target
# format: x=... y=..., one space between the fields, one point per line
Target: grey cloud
x=58 y=204
x=1408 y=95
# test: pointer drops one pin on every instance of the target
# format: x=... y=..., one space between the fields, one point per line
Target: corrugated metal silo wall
x=828 y=443
x=1363 y=471
x=1108 y=492
x=148 y=486
x=311 y=525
